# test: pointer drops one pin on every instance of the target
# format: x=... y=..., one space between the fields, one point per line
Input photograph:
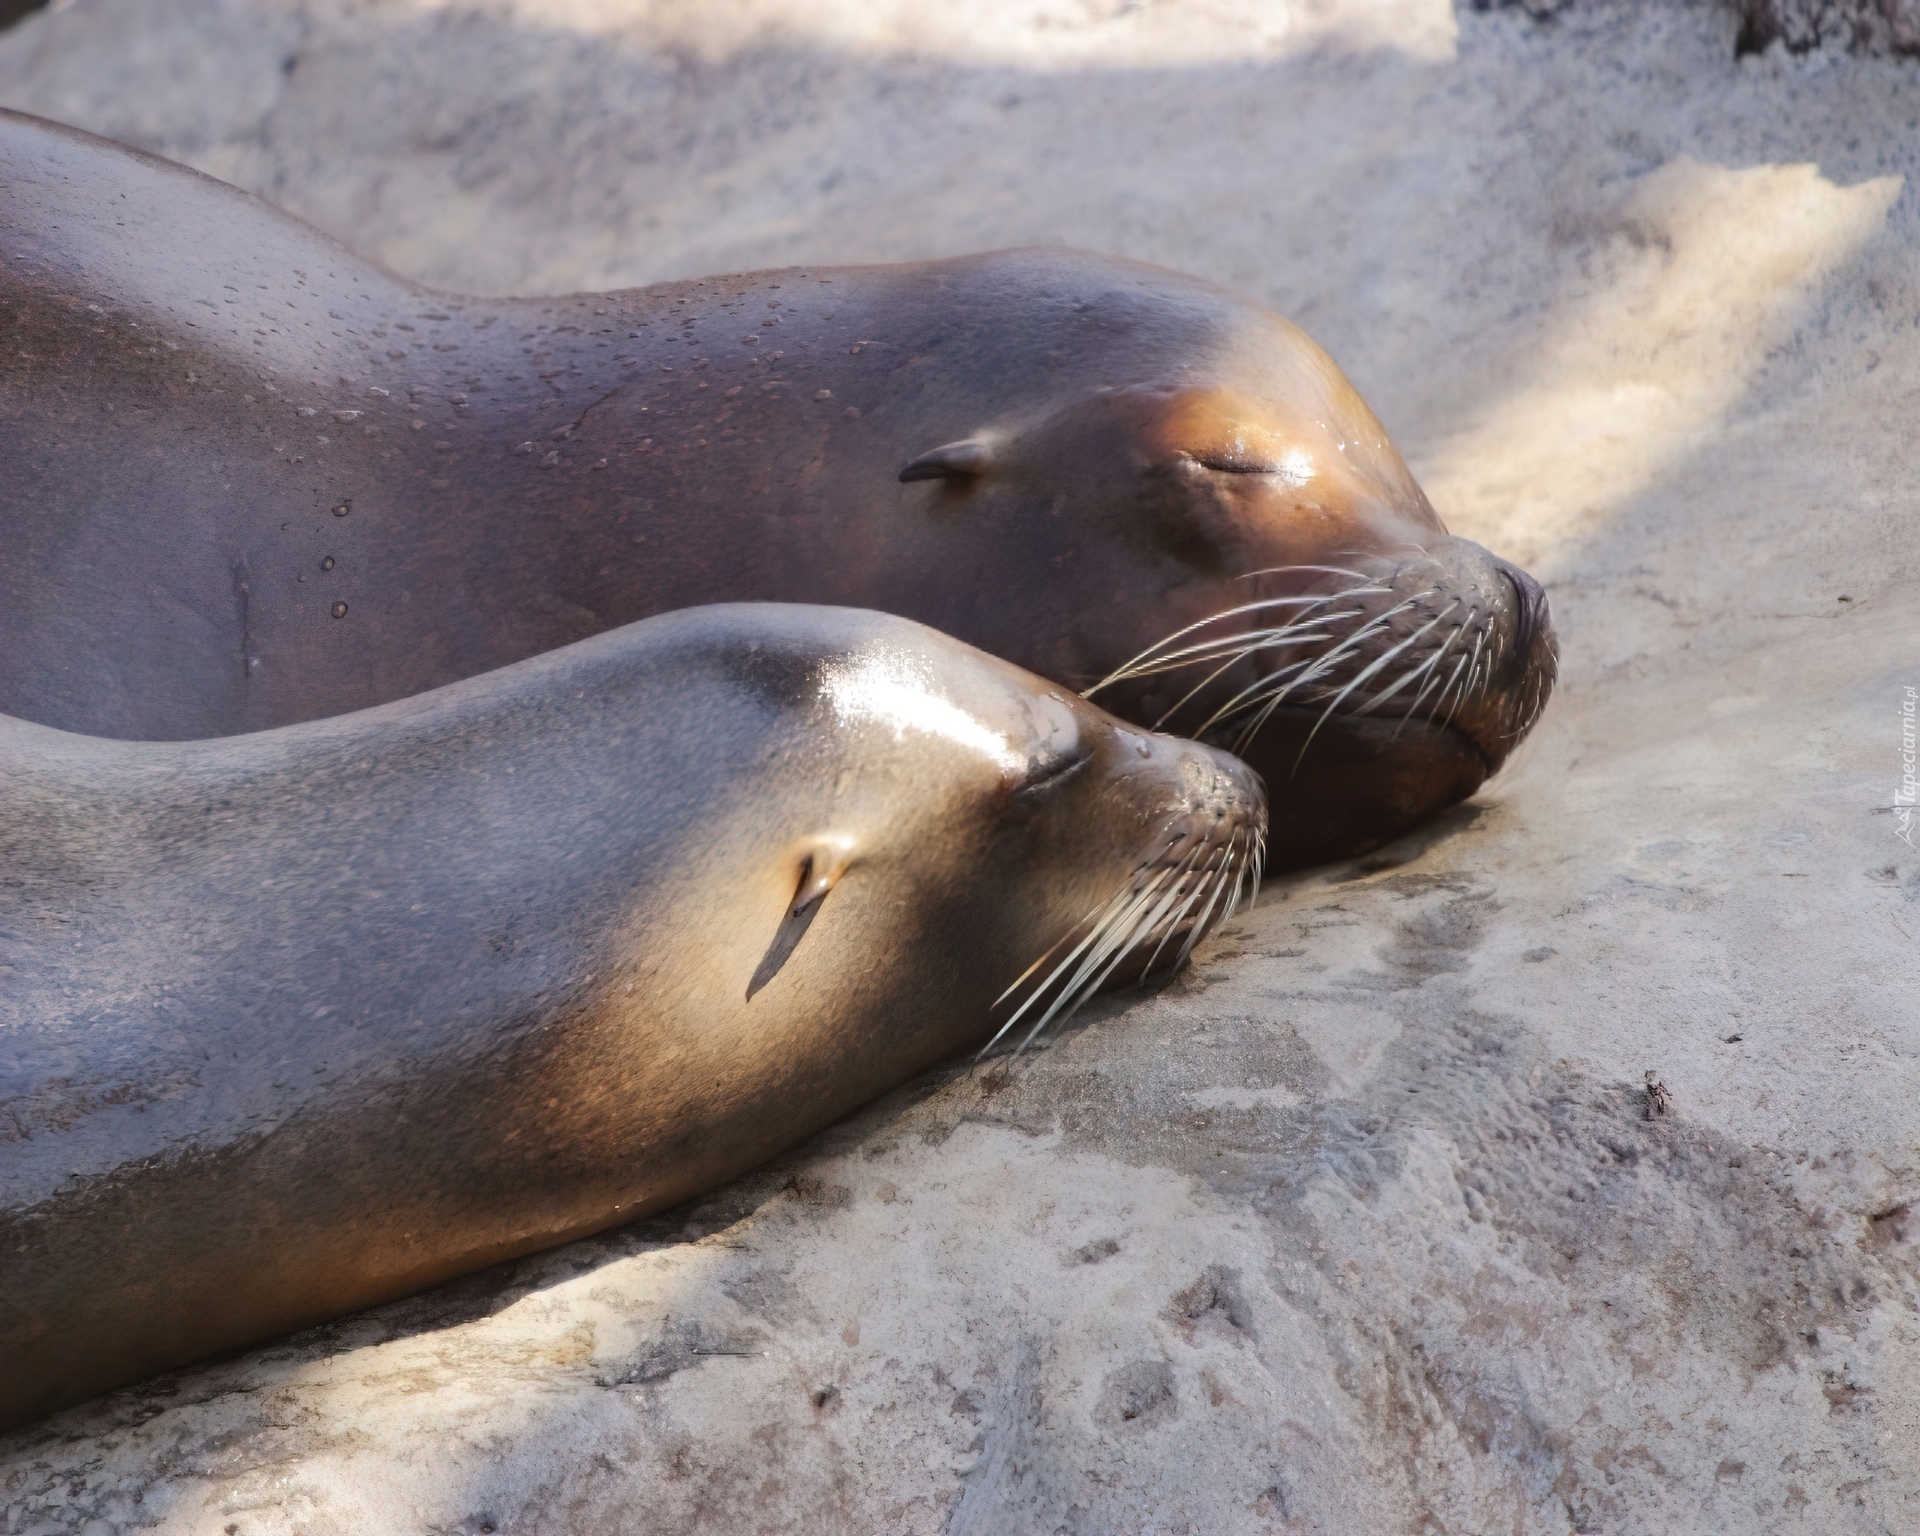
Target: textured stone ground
x=1359 y=1228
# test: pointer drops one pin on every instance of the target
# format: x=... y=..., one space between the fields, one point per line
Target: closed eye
x=1054 y=773
x=1294 y=467
x=1233 y=464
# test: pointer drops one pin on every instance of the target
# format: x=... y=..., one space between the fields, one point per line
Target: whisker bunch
x=1543 y=680
x=1184 y=884
x=1341 y=634
x=1309 y=625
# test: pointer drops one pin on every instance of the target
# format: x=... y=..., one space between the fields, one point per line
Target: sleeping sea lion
x=247 y=479
x=304 y=1020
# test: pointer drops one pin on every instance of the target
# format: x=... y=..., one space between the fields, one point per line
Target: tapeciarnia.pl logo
x=1905 y=797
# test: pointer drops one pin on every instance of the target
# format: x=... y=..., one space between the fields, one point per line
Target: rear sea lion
x=247 y=479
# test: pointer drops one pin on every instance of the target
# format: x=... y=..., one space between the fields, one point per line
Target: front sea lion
x=247 y=478
x=301 y=1021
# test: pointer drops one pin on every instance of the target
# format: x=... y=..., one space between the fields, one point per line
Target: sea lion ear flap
x=823 y=860
x=956 y=461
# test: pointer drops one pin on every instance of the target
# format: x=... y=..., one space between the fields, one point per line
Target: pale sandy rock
x=1361 y=1227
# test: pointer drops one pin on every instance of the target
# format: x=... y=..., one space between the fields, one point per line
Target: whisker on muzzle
x=1162 y=656
x=1439 y=657
x=1157 y=905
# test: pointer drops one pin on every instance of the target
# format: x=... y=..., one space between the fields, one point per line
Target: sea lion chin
x=248 y=479
x=304 y=1020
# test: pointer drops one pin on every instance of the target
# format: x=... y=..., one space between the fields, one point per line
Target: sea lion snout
x=1196 y=797
x=1533 y=619
x=1196 y=819
x=1475 y=630
x=1221 y=793
x=1200 y=808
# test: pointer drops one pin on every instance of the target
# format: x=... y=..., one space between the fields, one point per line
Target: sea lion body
x=247 y=479
x=301 y=1021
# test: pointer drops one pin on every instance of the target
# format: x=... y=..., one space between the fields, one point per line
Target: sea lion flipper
x=785 y=940
x=953 y=461
x=821 y=865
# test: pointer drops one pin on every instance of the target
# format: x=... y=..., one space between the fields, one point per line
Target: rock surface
x=1362 y=1227
x=1865 y=26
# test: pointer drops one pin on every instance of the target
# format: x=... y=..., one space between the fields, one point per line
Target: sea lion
x=247 y=478
x=301 y=1021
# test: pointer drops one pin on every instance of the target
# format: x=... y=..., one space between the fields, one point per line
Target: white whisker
x=1441 y=697
x=1322 y=570
x=1172 y=927
x=1248 y=696
x=1199 y=925
x=1234 y=647
x=1095 y=922
x=1472 y=662
x=1375 y=700
x=1153 y=653
x=1101 y=920
x=1360 y=677
x=1158 y=918
x=1120 y=932
x=1206 y=681
x=1099 y=911
x=1433 y=664
x=1309 y=668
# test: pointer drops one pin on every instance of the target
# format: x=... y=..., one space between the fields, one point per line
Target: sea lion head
x=1012 y=843
x=1232 y=548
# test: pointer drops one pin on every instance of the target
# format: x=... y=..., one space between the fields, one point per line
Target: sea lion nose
x=1222 y=792
x=1533 y=617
